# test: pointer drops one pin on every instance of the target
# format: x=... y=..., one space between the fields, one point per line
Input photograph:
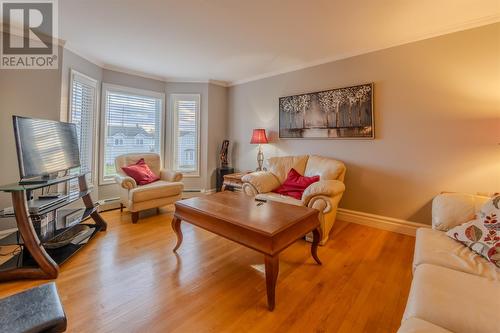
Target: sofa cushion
x=271 y=196
x=482 y=235
x=452 y=209
x=281 y=166
x=434 y=247
x=457 y=301
x=324 y=167
x=295 y=184
x=158 y=189
x=417 y=325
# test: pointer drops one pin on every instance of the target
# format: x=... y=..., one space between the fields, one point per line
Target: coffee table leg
x=272 y=264
x=176 y=225
x=314 y=245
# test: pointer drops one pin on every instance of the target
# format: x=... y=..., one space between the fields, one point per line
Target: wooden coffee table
x=268 y=227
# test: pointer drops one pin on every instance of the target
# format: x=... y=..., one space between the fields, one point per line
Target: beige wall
x=437 y=121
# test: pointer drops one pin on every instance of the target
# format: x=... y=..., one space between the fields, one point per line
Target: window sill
x=191 y=175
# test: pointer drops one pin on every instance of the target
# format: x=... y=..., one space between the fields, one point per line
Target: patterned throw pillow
x=482 y=235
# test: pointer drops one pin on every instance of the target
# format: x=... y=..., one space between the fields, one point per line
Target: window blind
x=186 y=134
x=82 y=113
x=133 y=125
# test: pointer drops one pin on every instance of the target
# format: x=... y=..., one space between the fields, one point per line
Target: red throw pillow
x=295 y=184
x=141 y=173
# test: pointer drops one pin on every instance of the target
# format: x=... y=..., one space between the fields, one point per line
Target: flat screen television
x=45 y=147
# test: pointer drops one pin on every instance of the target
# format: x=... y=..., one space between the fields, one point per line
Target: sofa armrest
x=326 y=188
x=261 y=181
x=170 y=176
x=126 y=182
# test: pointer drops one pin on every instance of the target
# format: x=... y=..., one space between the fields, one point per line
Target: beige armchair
x=163 y=192
x=323 y=195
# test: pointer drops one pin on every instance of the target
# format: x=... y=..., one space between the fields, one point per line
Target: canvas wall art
x=344 y=113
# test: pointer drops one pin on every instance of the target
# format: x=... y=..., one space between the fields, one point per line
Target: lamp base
x=260 y=160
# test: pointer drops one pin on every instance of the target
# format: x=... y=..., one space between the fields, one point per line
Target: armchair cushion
x=263 y=181
x=295 y=184
x=156 y=190
x=280 y=166
x=141 y=172
x=327 y=168
x=271 y=196
x=327 y=188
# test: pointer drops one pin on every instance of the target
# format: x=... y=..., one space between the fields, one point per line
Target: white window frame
x=74 y=74
x=107 y=87
x=174 y=127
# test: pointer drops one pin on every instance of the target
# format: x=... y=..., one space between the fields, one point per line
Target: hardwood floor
x=129 y=280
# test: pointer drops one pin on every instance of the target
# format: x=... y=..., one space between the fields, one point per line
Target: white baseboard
x=380 y=222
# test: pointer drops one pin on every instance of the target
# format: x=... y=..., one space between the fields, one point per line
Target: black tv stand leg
x=87 y=200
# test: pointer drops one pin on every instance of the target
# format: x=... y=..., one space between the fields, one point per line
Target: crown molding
x=448 y=30
x=90 y=59
x=119 y=69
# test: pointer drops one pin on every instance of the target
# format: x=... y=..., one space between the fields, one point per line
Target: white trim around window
x=188 y=100
x=87 y=81
x=133 y=92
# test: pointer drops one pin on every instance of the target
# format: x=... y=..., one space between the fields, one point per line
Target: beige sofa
x=136 y=198
x=323 y=195
x=453 y=288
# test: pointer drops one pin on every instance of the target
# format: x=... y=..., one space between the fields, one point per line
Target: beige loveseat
x=453 y=288
x=136 y=198
x=323 y=195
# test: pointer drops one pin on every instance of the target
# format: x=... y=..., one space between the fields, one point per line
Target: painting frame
x=365 y=130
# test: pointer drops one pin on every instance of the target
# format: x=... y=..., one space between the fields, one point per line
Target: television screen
x=45 y=146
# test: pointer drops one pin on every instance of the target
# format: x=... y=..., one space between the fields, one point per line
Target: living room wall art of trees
x=343 y=113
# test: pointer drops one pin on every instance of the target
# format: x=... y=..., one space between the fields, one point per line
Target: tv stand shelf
x=33 y=260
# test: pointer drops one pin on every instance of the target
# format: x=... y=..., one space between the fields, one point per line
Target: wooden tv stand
x=33 y=260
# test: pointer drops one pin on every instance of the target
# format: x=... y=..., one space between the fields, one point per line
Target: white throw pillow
x=482 y=235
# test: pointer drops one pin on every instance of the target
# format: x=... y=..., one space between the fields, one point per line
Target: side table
x=233 y=181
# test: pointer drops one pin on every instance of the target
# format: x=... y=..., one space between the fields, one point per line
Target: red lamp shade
x=259 y=136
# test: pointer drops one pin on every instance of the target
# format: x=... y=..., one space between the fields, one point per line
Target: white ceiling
x=236 y=41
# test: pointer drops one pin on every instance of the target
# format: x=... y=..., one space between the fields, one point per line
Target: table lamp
x=259 y=137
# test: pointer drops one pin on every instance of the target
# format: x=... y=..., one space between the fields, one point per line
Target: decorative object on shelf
x=223 y=154
x=334 y=114
x=259 y=137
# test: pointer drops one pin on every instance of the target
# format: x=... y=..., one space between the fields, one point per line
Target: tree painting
x=337 y=113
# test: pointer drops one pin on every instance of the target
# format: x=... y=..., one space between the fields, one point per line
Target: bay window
x=132 y=123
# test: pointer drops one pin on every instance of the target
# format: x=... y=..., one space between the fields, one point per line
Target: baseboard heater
x=108 y=204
